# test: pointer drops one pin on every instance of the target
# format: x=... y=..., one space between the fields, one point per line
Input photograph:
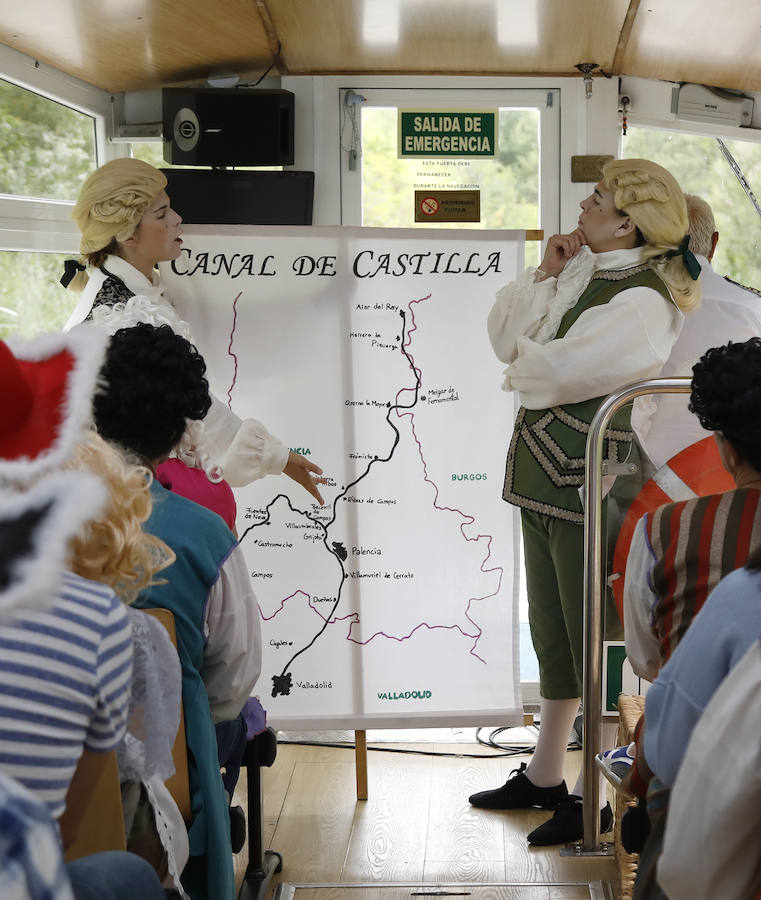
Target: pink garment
x=193 y=484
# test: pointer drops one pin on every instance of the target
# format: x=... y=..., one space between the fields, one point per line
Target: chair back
x=101 y=825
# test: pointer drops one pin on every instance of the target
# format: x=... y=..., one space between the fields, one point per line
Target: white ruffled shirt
x=243 y=448
x=608 y=346
x=728 y=312
x=232 y=655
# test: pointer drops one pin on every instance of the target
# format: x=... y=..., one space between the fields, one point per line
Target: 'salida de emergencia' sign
x=447 y=134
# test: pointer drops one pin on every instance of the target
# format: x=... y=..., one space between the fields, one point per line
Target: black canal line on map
x=282 y=682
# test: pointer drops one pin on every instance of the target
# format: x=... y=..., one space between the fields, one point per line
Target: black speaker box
x=228 y=127
x=260 y=197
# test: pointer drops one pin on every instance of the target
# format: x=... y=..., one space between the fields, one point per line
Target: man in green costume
x=602 y=311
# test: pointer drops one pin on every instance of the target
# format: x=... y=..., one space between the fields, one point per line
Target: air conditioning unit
x=713 y=106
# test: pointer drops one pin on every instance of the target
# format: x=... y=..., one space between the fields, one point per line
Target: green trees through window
x=47 y=149
x=47 y=152
x=700 y=168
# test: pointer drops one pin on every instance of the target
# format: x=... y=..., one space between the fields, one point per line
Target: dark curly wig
x=726 y=396
x=153 y=384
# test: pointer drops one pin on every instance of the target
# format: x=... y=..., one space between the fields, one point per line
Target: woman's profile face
x=157 y=237
x=600 y=220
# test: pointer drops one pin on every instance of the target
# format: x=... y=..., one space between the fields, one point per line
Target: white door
x=519 y=187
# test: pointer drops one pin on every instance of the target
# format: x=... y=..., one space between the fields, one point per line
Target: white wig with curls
x=110 y=206
x=653 y=200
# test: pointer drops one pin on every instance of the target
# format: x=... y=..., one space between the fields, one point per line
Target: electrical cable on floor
x=492 y=742
x=377 y=749
x=507 y=750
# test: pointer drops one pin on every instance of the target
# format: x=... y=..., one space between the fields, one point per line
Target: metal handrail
x=594 y=586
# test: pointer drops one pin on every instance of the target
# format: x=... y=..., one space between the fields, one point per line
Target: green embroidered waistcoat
x=545 y=462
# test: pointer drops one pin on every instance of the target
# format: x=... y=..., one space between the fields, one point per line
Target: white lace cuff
x=244 y=449
x=518 y=310
x=252 y=454
x=525 y=309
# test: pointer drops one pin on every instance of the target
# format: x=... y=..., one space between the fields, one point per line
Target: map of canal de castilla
x=395 y=599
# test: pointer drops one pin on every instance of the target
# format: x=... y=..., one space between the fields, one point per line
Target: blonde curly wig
x=653 y=200
x=110 y=206
x=113 y=549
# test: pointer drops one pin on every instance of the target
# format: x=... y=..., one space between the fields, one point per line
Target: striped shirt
x=31 y=861
x=695 y=543
x=65 y=676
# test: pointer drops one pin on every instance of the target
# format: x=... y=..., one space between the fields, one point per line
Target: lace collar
x=135 y=281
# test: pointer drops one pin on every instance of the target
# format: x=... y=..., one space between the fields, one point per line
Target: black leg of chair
x=262 y=864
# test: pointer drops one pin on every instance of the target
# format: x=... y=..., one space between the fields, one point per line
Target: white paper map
x=366 y=350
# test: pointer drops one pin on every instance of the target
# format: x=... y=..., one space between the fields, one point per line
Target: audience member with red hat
x=65 y=642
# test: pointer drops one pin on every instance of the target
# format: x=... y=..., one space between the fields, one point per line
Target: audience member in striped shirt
x=64 y=686
x=679 y=555
x=680 y=552
x=65 y=642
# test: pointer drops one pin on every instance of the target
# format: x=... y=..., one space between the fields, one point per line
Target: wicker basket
x=630 y=708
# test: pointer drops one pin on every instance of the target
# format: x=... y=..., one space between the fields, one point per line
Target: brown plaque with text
x=447 y=206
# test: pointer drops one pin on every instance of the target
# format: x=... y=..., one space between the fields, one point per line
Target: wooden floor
x=416 y=826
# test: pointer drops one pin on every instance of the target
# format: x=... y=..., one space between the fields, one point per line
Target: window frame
x=476 y=97
x=35 y=224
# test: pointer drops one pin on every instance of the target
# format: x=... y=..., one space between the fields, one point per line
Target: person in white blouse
x=128 y=226
x=603 y=310
x=728 y=312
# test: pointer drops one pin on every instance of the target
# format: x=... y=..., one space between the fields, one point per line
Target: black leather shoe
x=567 y=825
x=519 y=793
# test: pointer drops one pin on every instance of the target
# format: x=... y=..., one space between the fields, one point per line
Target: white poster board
x=366 y=349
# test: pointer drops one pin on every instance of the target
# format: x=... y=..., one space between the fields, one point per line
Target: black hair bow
x=70 y=269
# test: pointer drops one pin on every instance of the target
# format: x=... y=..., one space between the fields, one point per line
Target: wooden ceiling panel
x=136 y=44
x=442 y=36
x=123 y=45
x=713 y=42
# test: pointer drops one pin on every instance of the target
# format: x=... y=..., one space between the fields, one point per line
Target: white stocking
x=556 y=718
